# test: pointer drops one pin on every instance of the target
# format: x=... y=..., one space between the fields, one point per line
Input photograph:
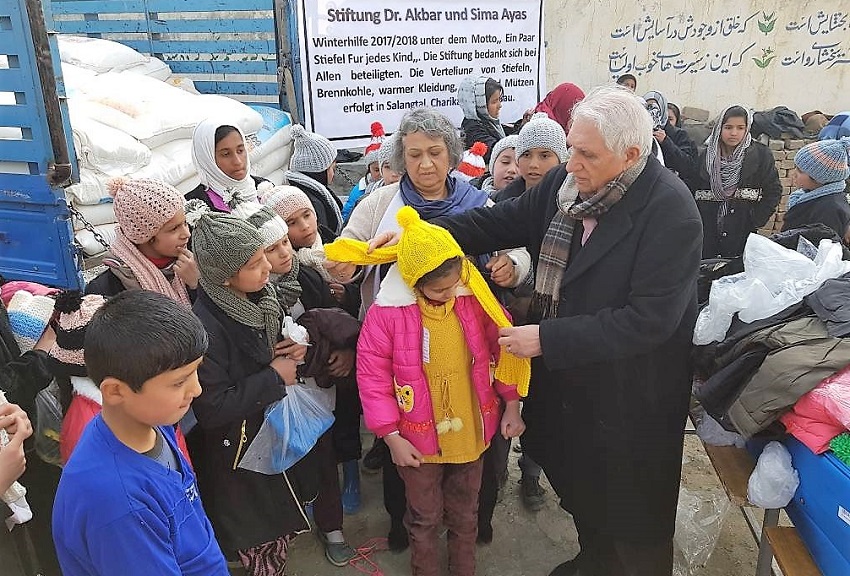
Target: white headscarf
x=203 y=157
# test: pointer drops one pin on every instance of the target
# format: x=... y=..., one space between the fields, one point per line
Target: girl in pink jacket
x=424 y=373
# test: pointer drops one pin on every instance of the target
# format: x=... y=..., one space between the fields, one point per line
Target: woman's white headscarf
x=203 y=157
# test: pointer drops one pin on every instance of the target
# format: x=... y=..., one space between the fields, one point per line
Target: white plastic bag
x=699 y=519
x=774 y=278
x=774 y=481
x=292 y=427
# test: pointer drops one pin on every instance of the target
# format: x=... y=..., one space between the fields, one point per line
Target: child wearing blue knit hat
x=822 y=168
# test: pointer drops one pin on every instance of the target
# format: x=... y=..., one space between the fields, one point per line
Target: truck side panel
x=35 y=230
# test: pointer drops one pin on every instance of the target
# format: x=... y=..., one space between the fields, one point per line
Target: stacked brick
x=784 y=151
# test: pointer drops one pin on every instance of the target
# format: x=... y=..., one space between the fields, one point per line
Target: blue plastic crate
x=820 y=509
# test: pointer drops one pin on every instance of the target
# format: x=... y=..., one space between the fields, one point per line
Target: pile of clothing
x=788 y=371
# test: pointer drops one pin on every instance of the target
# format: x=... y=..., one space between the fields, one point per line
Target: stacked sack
x=130 y=116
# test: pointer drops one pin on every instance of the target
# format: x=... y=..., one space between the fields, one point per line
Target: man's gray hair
x=620 y=116
x=435 y=125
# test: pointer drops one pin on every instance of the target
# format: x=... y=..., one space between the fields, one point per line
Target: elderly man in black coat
x=616 y=239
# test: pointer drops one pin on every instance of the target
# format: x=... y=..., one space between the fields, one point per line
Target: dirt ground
x=524 y=544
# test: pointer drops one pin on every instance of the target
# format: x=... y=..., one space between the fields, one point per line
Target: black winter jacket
x=246 y=508
x=609 y=395
x=759 y=177
x=680 y=152
x=475 y=130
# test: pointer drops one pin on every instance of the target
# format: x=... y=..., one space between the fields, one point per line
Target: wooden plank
x=790 y=552
x=163 y=26
x=734 y=467
x=203 y=47
x=223 y=67
x=246 y=88
x=128 y=6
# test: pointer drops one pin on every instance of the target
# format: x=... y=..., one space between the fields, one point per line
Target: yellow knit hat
x=422 y=248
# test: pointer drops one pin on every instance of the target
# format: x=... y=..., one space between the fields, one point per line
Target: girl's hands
x=290 y=349
x=403 y=452
x=512 y=423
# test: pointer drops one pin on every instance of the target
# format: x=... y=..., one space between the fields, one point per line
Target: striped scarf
x=725 y=173
x=555 y=248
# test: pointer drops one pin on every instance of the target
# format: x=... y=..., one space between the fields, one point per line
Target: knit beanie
x=75 y=313
x=385 y=152
x=223 y=244
x=542 y=132
x=371 y=153
x=29 y=316
x=501 y=146
x=313 y=152
x=826 y=161
x=143 y=206
x=472 y=163
x=271 y=226
x=422 y=248
x=286 y=200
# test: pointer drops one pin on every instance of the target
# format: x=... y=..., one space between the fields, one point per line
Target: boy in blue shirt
x=127 y=502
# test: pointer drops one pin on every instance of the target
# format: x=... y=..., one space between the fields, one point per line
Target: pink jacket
x=392 y=383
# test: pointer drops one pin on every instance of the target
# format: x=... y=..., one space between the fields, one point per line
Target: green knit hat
x=222 y=245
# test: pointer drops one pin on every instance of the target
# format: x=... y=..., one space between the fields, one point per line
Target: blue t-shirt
x=121 y=512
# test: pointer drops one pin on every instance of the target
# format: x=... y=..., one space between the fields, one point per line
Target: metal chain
x=88 y=226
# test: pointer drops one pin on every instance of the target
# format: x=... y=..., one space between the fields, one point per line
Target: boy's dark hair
x=450 y=266
x=137 y=335
x=491 y=87
x=321 y=177
x=223 y=132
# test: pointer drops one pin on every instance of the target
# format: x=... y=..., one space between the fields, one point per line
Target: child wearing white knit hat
x=311 y=169
x=540 y=146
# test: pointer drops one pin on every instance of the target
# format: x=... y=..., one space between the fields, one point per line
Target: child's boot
x=351 y=487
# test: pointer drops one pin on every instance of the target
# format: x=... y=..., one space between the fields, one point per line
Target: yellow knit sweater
x=448 y=367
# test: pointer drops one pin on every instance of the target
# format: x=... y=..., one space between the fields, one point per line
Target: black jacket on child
x=832 y=211
x=680 y=152
x=758 y=194
x=476 y=130
x=246 y=508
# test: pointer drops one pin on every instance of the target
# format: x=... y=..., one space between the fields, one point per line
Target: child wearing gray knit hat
x=313 y=152
x=541 y=145
x=542 y=132
x=311 y=169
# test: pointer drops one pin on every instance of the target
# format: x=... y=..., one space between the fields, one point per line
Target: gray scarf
x=264 y=315
x=555 y=248
x=286 y=285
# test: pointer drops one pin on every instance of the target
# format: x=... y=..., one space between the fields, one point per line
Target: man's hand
x=502 y=271
x=522 y=341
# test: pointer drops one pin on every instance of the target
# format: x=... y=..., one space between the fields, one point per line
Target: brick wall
x=784 y=151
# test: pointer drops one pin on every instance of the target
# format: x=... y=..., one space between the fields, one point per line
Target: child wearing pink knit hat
x=150 y=250
x=307 y=237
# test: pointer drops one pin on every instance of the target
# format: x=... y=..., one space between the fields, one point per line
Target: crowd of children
x=169 y=366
